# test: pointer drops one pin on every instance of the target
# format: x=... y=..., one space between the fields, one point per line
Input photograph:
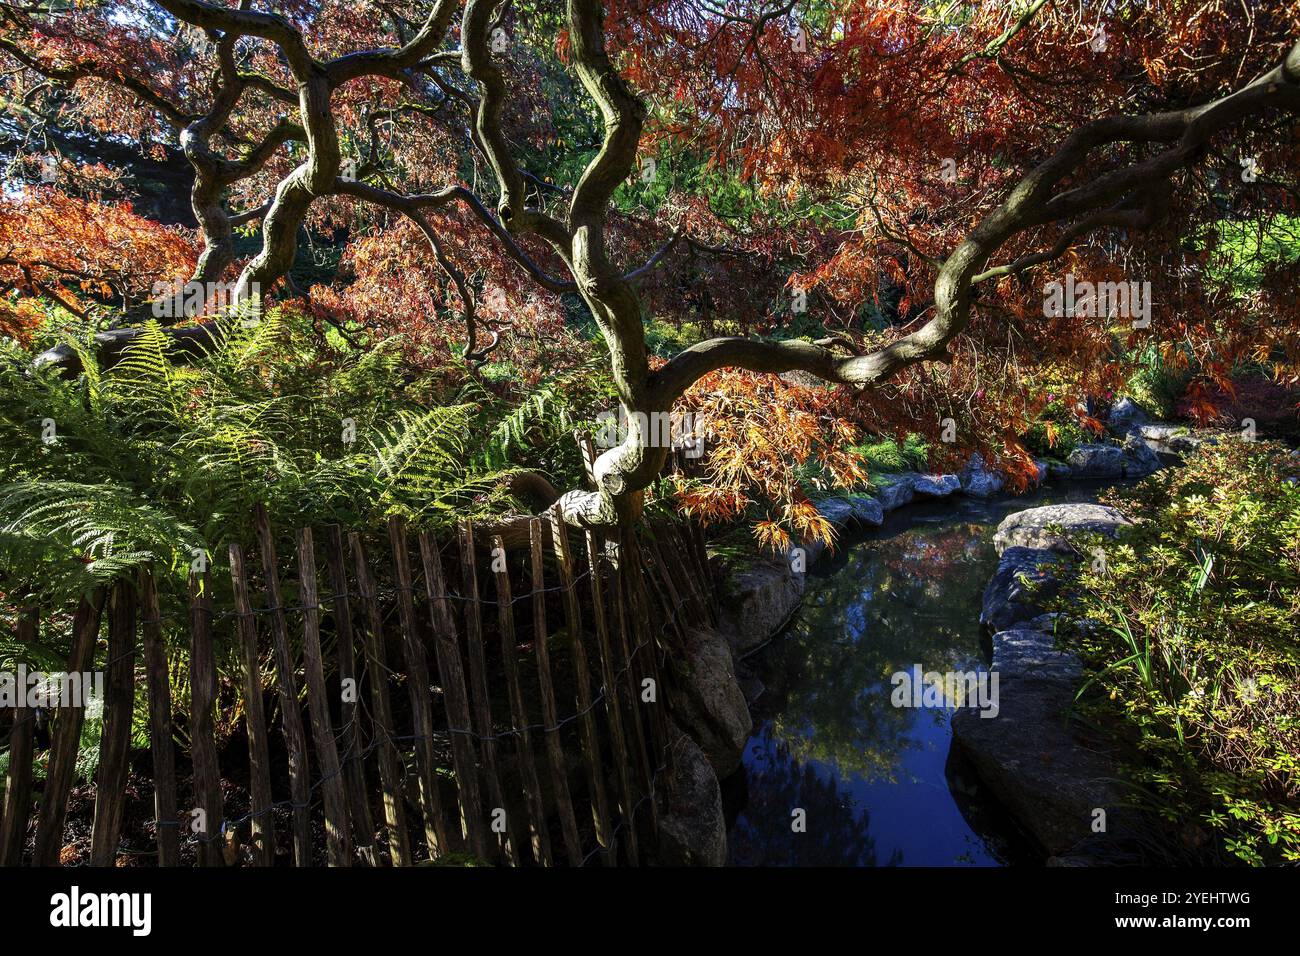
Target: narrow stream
x=879 y=785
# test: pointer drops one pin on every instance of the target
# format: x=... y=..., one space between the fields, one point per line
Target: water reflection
x=838 y=828
x=874 y=779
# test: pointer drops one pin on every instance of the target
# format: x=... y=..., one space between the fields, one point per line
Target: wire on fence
x=356 y=725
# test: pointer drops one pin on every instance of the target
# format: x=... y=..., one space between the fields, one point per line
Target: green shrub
x=888 y=455
x=1056 y=433
x=1194 y=654
x=1156 y=386
x=666 y=339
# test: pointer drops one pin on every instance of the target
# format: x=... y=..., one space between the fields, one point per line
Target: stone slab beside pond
x=979 y=481
x=1097 y=460
x=852 y=511
x=1174 y=439
x=935 y=486
x=867 y=511
x=692 y=828
x=755 y=602
x=1045 y=770
x=1030 y=652
x=1125 y=416
x=1134 y=459
x=838 y=511
x=1019 y=588
x=894 y=492
x=712 y=705
x=1051 y=526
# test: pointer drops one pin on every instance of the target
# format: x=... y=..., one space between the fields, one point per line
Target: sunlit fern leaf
x=242 y=463
x=471 y=390
x=547 y=406
x=84 y=348
x=425 y=452
x=246 y=333
x=106 y=527
x=145 y=357
x=484 y=496
x=145 y=379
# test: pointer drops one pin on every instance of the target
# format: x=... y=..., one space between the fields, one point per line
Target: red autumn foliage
x=78 y=251
x=832 y=153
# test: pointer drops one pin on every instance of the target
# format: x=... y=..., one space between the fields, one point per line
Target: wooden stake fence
x=548 y=746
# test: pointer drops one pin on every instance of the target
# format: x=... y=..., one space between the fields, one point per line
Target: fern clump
x=160 y=462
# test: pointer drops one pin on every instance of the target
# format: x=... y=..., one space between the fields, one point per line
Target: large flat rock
x=1030 y=653
x=935 y=486
x=852 y=511
x=867 y=511
x=1051 y=526
x=979 y=481
x=1135 y=458
x=692 y=828
x=1019 y=588
x=756 y=602
x=713 y=707
x=1097 y=460
x=1126 y=416
x=1045 y=769
x=1174 y=439
x=1140 y=459
x=894 y=491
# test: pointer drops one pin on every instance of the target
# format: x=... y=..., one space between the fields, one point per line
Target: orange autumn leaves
x=77 y=251
x=769 y=443
x=909 y=121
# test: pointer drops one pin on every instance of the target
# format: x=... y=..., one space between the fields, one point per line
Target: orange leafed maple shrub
x=77 y=251
x=769 y=441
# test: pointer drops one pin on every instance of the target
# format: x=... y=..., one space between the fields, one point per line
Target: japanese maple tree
x=910 y=174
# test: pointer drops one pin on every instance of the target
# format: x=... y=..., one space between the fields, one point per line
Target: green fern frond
x=547 y=406
x=106 y=529
x=423 y=452
x=246 y=333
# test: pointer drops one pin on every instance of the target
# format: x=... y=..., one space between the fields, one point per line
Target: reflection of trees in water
x=886 y=604
x=913 y=598
x=837 y=831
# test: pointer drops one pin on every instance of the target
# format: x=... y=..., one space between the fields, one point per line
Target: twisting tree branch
x=1032 y=203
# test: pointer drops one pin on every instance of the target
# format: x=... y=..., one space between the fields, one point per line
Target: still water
x=880 y=785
